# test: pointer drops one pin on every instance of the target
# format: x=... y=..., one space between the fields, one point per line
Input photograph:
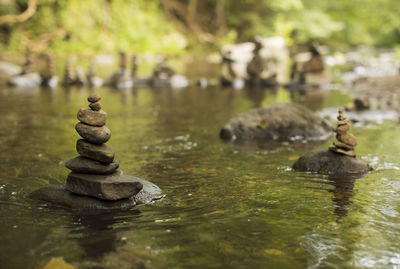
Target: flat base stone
x=57 y=195
x=330 y=163
x=111 y=187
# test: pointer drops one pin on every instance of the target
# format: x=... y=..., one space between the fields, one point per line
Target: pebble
x=93 y=134
x=94 y=97
x=95 y=106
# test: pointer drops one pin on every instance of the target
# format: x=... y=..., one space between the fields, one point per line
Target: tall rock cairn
x=345 y=142
x=94 y=171
x=95 y=156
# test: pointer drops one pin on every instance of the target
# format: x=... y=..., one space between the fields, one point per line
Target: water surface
x=226 y=206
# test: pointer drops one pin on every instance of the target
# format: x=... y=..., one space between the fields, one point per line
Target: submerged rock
x=281 y=122
x=59 y=196
x=330 y=163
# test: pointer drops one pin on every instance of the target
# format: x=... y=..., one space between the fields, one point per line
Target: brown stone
x=95 y=106
x=342 y=128
x=90 y=117
x=350 y=153
x=342 y=145
x=84 y=165
x=342 y=122
x=111 y=187
x=94 y=97
x=101 y=153
x=93 y=134
x=347 y=138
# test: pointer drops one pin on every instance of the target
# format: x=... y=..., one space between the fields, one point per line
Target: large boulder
x=277 y=122
x=58 y=195
x=330 y=163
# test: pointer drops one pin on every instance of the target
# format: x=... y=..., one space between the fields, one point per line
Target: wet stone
x=110 y=187
x=95 y=106
x=57 y=195
x=93 y=134
x=101 y=153
x=90 y=117
x=84 y=165
x=330 y=163
x=94 y=97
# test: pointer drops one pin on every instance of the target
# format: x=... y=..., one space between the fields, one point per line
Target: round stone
x=347 y=138
x=95 y=106
x=90 y=117
x=93 y=134
x=94 y=97
x=341 y=129
x=101 y=153
x=84 y=165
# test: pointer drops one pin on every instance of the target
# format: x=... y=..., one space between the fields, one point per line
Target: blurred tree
x=166 y=26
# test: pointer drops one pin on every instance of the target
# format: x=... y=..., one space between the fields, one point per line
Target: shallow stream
x=226 y=206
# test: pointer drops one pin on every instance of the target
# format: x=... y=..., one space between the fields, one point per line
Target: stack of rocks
x=345 y=142
x=68 y=79
x=94 y=172
x=340 y=160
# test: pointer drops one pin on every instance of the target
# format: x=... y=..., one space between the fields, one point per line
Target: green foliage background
x=164 y=26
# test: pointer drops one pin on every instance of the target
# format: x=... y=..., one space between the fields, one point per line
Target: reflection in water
x=98 y=234
x=342 y=193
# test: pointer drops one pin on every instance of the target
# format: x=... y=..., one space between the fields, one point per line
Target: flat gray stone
x=90 y=117
x=93 y=134
x=110 y=187
x=330 y=163
x=101 y=153
x=277 y=122
x=57 y=195
x=84 y=165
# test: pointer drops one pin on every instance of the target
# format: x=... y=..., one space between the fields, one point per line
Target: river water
x=226 y=206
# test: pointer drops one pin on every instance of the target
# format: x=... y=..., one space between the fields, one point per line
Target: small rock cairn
x=345 y=142
x=94 y=172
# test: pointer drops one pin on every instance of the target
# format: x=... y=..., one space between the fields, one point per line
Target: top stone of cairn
x=94 y=97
